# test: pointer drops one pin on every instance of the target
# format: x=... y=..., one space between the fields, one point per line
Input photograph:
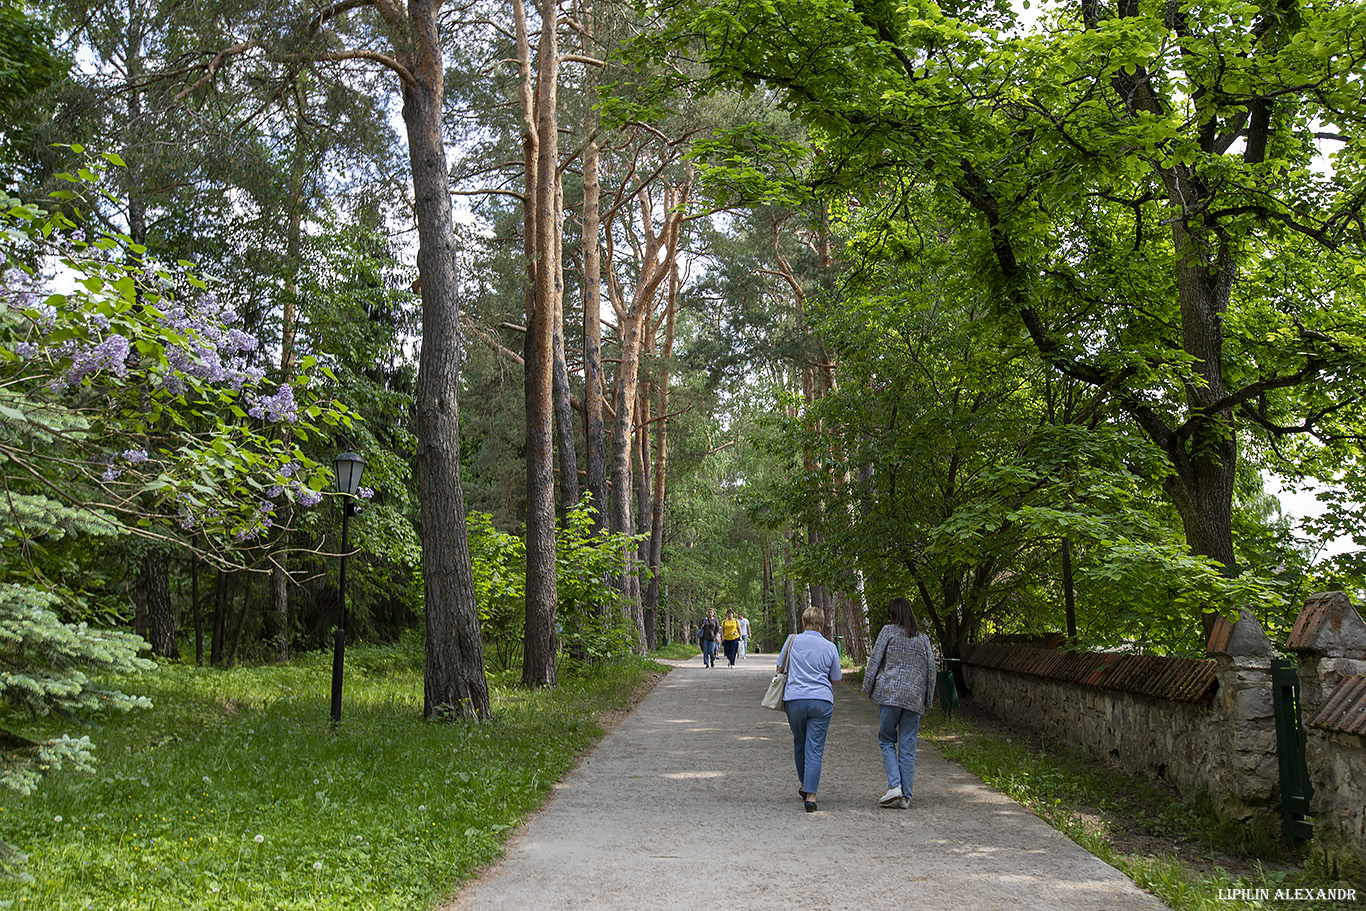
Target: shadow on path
x=690 y=802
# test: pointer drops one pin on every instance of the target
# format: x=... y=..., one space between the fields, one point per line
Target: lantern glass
x=349 y=466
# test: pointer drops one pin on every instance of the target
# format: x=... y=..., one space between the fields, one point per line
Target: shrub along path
x=690 y=802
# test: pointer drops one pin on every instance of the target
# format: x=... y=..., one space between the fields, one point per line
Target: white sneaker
x=892 y=798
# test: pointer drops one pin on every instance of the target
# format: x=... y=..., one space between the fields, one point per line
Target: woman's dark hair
x=903 y=615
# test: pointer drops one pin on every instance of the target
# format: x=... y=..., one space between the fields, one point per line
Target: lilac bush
x=174 y=415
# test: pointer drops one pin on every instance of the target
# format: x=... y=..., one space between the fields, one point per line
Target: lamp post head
x=348 y=466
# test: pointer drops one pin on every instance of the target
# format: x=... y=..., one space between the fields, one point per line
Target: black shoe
x=810 y=806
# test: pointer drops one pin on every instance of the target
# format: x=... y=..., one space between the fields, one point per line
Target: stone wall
x=1216 y=736
x=1329 y=639
x=1221 y=741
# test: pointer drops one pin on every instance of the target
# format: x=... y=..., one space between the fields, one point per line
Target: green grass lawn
x=677 y=651
x=235 y=790
x=1179 y=851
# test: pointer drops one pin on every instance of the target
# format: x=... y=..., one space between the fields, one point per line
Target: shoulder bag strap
x=782 y=659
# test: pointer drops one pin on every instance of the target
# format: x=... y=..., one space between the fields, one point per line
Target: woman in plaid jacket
x=900 y=679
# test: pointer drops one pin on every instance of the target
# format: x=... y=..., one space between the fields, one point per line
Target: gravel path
x=690 y=802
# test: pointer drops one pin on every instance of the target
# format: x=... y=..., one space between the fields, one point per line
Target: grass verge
x=677 y=651
x=235 y=791
x=1180 y=852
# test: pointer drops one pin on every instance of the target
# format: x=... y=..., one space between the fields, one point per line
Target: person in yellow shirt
x=730 y=637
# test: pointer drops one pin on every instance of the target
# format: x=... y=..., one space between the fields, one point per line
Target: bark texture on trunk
x=655 y=557
x=656 y=262
x=454 y=672
x=649 y=619
x=242 y=617
x=565 y=446
x=279 y=612
x=219 y=622
x=539 y=644
x=162 y=623
x=198 y=617
x=595 y=438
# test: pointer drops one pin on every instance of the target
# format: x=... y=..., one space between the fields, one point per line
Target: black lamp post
x=349 y=467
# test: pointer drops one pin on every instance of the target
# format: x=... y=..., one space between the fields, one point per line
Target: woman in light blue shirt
x=813 y=664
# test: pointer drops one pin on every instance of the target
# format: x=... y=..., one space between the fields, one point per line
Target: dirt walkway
x=691 y=802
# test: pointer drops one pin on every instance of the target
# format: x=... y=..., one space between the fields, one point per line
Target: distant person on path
x=744 y=636
x=813 y=665
x=708 y=633
x=900 y=679
x=730 y=637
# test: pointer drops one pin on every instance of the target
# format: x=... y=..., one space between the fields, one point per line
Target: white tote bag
x=773 y=697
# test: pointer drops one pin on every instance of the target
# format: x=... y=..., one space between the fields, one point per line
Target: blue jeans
x=809 y=720
x=708 y=652
x=897 y=731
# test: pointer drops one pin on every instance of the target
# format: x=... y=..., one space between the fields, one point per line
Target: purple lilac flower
x=209 y=366
x=110 y=354
x=277 y=407
x=364 y=493
x=135 y=456
x=26 y=349
x=309 y=497
x=111 y=474
x=46 y=313
x=241 y=375
x=240 y=341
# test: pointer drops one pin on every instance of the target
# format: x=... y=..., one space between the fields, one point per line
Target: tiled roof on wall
x=1176 y=679
x=1329 y=625
x=1345 y=709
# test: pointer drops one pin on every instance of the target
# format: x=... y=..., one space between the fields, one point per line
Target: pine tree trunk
x=198 y=613
x=219 y=621
x=649 y=619
x=564 y=409
x=161 y=617
x=656 y=549
x=595 y=440
x=794 y=618
x=631 y=323
x=241 y=621
x=140 y=602
x=279 y=611
x=454 y=680
x=539 y=644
